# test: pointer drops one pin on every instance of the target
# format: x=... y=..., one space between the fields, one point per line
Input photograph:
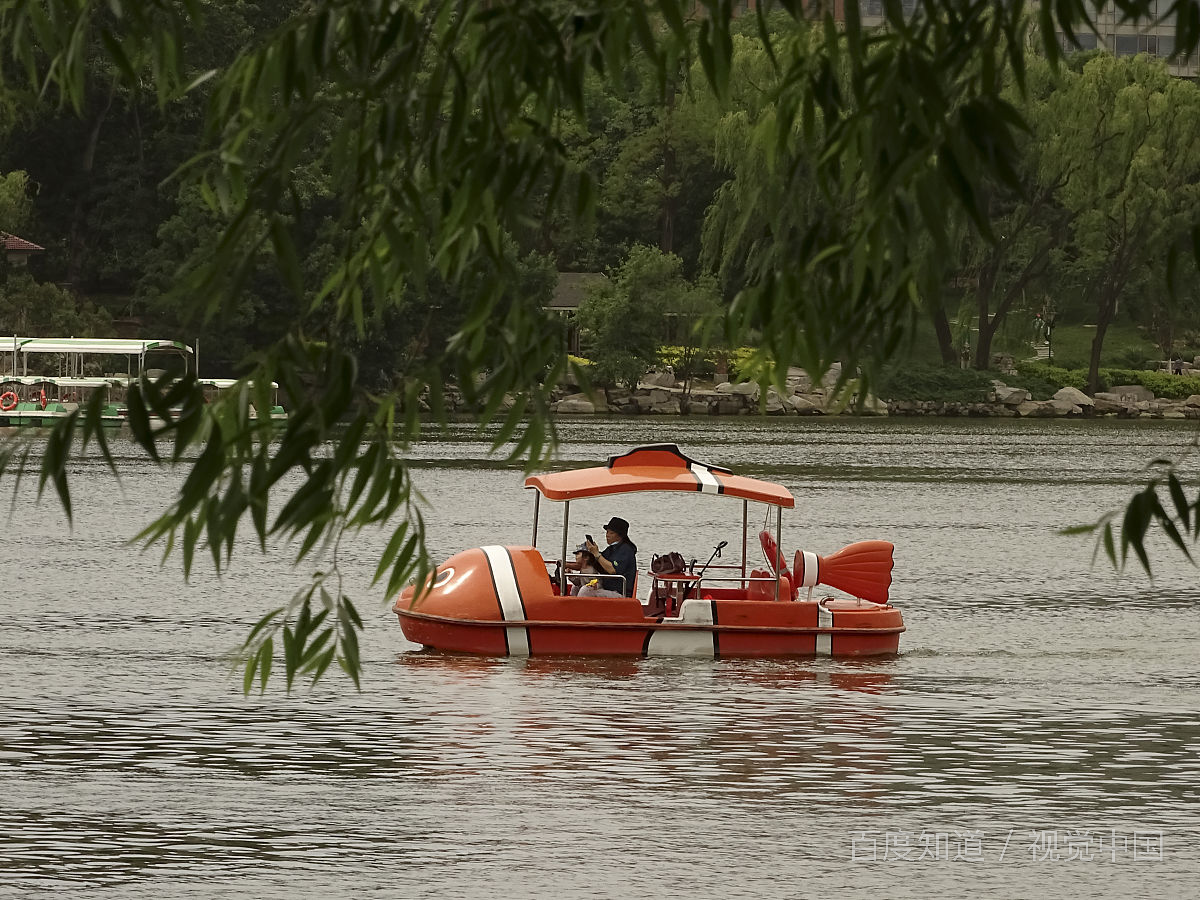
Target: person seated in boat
x=619 y=557
x=584 y=586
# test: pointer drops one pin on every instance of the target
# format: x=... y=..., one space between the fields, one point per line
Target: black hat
x=620 y=526
x=582 y=548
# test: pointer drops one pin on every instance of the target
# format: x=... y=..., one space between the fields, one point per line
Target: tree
x=1028 y=223
x=39 y=310
x=1139 y=130
x=14 y=201
x=691 y=311
x=448 y=119
x=1169 y=300
x=621 y=320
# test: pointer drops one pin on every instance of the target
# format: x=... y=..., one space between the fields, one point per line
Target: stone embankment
x=661 y=394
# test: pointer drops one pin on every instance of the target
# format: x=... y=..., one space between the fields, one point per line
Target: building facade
x=1156 y=38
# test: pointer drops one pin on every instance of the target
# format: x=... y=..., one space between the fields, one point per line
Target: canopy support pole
x=562 y=578
x=537 y=501
x=777 y=562
x=745 y=530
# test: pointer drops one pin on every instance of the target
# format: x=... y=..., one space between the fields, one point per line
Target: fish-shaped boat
x=517 y=601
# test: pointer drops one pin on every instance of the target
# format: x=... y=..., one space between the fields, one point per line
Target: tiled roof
x=12 y=242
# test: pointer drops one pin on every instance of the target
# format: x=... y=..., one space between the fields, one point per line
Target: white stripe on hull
x=510 y=598
x=686 y=643
x=824 y=641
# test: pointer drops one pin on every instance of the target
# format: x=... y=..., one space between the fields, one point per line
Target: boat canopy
x=657 y=467
x=224 y=384
x=116 y=346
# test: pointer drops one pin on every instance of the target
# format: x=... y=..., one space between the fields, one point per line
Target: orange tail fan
x=863 y=569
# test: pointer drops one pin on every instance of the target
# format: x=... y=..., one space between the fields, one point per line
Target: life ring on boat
x=8 y=400
x=775 y=561
x=43 y=398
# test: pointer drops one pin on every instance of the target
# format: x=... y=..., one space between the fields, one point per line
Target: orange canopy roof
x=658 y=467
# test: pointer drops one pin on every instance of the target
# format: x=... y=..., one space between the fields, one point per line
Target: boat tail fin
x=863 y=569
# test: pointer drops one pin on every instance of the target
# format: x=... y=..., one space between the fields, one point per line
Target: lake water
x=1037 y=735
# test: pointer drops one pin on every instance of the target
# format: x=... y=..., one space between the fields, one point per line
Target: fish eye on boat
x=443 y=576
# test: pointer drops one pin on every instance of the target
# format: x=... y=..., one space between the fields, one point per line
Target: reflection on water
x=1033 y=694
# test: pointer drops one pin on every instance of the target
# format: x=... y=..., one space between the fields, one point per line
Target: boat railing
x=555 y=564
x=670 y=589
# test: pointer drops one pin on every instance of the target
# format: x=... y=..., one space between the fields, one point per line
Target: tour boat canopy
x=114 y=346
x=657 y=467
x=73 y=351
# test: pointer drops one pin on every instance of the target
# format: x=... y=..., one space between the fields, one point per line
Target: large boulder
x=1107 y=407
x=1011 y=396
x=575 y=404
x=805 y=406
x=1193 y=400
x=1064 y=407
x=658 y=379
x=798 y=381
x=830 y=378
x=775 y=405
x=1036 y=409
x=871 y=406
x=1074 y=396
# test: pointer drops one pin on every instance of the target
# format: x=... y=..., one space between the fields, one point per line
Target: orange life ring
x=8 y=400
x=775 y=561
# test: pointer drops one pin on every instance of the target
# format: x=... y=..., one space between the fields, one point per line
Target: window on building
x=1166 y=44
x=1123 y=44
x=875 y=7
x=1085 y=41
x=1148 y=43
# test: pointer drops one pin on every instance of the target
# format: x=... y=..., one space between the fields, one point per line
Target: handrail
x=586 y=575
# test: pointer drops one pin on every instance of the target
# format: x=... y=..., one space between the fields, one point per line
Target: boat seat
x=765 y=590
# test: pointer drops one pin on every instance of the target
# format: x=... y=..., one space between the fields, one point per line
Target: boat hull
x=498 y=601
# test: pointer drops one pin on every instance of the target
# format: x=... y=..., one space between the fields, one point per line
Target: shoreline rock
x=659 y=394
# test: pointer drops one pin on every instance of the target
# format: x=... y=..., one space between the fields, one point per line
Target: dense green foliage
x=925 y=382
x=711 y=177
x=624 y=318
x=1161 y=384
x=349 y=168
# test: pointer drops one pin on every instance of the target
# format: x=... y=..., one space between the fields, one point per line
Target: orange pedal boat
x=505 y=601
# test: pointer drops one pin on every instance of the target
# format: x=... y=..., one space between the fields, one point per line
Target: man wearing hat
x=620 y=556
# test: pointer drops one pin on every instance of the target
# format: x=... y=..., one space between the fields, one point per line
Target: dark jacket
x=623 y=556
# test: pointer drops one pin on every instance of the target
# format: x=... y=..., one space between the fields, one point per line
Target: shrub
x=703 y=363
x=931 y=382
x=1047 y=374
x=1172 y=387
x=1162 y=384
